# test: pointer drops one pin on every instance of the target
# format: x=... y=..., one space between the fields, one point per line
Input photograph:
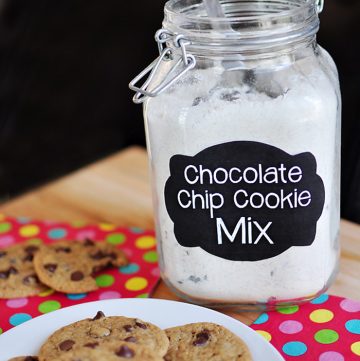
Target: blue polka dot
x=294 y=348
x=321 y=299
x=129 y=269
x=262 y=319
x=353 y=326
x=19 y=318
x=136 y=230
x=23 y=220
x=77 y=296
x=57 y=233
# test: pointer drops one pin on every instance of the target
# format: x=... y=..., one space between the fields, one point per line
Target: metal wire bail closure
x=320 y=6
x=163 y=37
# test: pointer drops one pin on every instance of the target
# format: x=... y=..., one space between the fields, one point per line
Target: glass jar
x=242 y=117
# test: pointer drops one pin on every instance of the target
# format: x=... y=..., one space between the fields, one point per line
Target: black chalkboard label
x=244 y=201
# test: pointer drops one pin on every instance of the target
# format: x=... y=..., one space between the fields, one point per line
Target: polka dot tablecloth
x=326 y=329
x=137 y=279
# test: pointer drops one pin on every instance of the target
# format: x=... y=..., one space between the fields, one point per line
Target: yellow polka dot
x=2 y=217
x=321 y=316
x=136 y=284
x=34 y=241
x=145 y=242
x=107 y=226
x=30 y=230
x=46 y=293
x=355 y=348
x=264 y=334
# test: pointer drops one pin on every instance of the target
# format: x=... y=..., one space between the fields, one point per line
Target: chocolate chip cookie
x=205 y=341
x=68 y=266
x=17 y=273
x=110 y=351
x=25 y=358
x=102 y=329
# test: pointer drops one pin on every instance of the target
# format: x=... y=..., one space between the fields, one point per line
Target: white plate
x=27 y=338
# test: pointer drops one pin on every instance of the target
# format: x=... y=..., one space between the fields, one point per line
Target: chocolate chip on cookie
x=51 y=267
x=205 y=341
x=125 y=351
x=111 y=351
x=128 y=328
x=91 y=344
x=30 y=251
x=17 y=273
x=141 y=325
x=77 y=276
x=131 y=339
x=88 y=242
x=31 y=280
x=25 y=358
x=68 y=266
x=63 y=249
x=94 y=333
x=6 y=274
x=66 y=345
x=202 y=338
x=99 y=315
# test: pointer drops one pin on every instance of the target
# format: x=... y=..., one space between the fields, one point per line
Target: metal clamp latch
x=166 y=53
x=320 y=6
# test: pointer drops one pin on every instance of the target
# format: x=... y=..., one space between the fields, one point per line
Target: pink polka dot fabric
x=137 y=279
x=326 y=329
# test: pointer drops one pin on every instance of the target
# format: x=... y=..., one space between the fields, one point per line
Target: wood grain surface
x=117 y=190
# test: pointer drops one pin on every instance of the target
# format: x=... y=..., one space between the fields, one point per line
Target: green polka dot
x=326 y=336
x=5 y=227
x=1 y=331
x=151 y=257
x=143 y=295
x=78 y=224
x=105 y=280
x=35 y=241
x=49 y=306
x=116 y=238
x=288 y=310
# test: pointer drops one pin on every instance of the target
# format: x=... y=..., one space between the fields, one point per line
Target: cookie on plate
x=25 y=358
x=102 y=329
x=68 y=266
x=110 y=351
x=205 y=341
x=17 y=273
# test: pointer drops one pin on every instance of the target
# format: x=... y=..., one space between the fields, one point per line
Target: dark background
x=64 y=70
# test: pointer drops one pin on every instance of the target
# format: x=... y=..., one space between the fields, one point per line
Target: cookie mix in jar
x=242 y=115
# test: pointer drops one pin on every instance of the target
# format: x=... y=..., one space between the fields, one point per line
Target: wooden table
x=117 y=190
